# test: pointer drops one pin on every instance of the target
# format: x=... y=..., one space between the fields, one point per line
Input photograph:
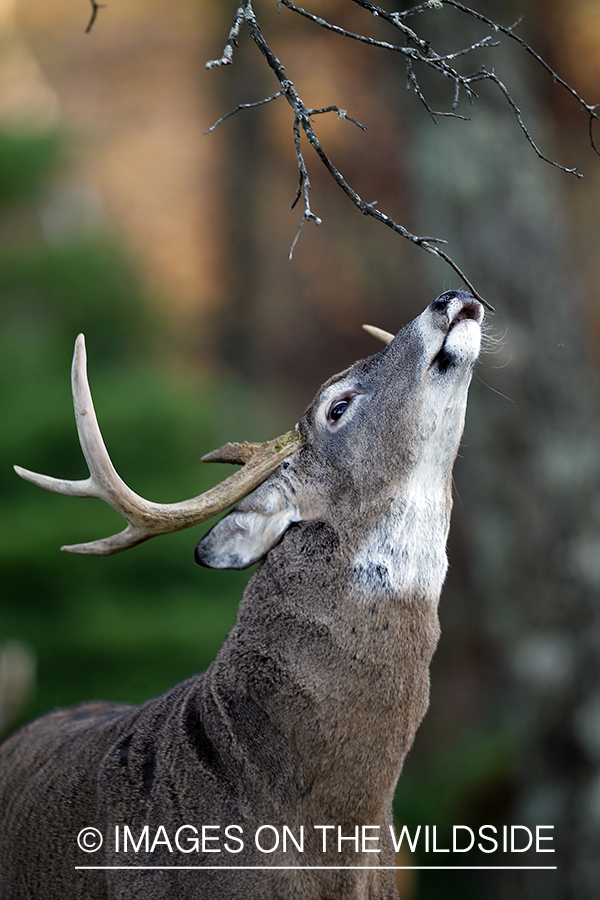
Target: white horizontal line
x=336 y=868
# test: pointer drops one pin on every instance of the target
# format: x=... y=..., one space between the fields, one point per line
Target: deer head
x=375 y=455
x=376 y=446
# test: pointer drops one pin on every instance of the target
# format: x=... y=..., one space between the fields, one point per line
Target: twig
x=318 y=20
x=485 y=42
x=425 y=54
x=422 y=7
x=591 y=128
x=303 y=185
x=397 y=20
x=430 y=58
x=369 y=209
x=341 y=114
x=234 y=31
x=491 y=76
x=589 y=108
x=95 y=8
x=411 y=82
x=232 y=112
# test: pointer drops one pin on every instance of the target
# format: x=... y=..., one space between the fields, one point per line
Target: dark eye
x=338 y=409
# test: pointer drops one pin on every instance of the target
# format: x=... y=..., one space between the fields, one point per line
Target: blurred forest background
x=168 y=249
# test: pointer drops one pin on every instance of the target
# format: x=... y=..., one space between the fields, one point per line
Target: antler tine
x=379 y=333
x=146 y=519
x=235 y=453
x=102 y=471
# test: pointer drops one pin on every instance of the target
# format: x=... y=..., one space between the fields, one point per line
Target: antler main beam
x=146 y=519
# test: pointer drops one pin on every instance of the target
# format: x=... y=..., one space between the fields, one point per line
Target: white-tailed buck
x=272 y=774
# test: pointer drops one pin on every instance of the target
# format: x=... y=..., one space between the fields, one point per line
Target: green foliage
x=126 y=627
x=466 y=781
x=458 y=782
x=26 y=161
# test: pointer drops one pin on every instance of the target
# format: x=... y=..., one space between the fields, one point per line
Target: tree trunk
x=530 y=483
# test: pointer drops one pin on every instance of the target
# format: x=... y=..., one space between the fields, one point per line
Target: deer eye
x=339 y=405
x=337 y=410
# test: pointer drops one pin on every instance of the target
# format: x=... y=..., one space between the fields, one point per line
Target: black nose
x=440 y=304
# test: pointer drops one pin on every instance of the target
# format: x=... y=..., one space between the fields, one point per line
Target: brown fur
x=311 y=705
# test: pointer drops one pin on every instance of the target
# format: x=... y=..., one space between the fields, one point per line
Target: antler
x=379 y=333
x=146 y=519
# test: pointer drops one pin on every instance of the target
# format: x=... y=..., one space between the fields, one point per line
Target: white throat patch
x=405 y=554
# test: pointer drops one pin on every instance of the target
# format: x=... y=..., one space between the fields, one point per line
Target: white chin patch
x=464 y=340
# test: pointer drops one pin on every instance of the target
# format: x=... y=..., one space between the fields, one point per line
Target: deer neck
x=335 y=674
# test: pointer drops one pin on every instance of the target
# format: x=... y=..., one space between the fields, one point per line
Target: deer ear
x=247 y=533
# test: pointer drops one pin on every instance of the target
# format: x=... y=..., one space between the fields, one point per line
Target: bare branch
x=302 y=119
x=303 y=187
x=424 y=53
x=95 y=8
x=509 y=32
x=491 y=76
x=411 y=82
x=341 y=114
x=433 y=60
x=415 y=50
x=232 y=112
x=591 y=128
x=485 y=42
x=303 y=179
x=234 y=31
x=318 y=20
x=396 y=19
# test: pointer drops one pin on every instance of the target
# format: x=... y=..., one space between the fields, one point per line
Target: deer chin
x=463 y=340
x=460 y=349
x=451 y=332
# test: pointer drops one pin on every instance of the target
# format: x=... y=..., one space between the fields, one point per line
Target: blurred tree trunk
x=530 y=485
x=529 y=520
